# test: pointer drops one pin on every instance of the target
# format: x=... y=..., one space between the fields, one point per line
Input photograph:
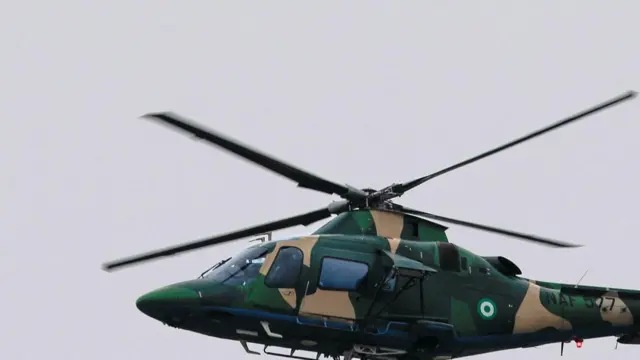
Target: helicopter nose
x=164 y=303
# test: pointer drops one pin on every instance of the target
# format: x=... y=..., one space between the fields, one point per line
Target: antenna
x=262 y=237
x=577 y=340
x=583 y=275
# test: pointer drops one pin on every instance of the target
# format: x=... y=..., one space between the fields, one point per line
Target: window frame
x=275 y=259
x=339 y=259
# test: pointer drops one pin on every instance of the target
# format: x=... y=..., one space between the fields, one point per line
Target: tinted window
x=449 y=257
x=286 y=268
x=414 y=229
x=463 y=264
x=337 y=274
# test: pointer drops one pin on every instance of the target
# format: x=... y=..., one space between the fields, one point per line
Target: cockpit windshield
x=241 y=269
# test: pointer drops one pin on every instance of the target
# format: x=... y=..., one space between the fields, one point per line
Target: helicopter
x=378 y=280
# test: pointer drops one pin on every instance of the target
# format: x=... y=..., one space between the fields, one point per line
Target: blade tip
x=111 y=266
x=155 y=115
x=106 y=268
x=569 y=245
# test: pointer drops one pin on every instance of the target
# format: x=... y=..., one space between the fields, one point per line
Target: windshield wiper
x=220 y=263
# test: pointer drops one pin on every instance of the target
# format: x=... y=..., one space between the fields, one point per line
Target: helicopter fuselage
x=344 y=295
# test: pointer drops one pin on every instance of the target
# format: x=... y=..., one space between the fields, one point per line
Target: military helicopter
x=379 y=280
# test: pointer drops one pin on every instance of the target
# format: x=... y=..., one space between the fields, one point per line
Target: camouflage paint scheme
x=525 y=312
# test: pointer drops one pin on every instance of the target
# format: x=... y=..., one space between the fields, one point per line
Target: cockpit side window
x=286 y=268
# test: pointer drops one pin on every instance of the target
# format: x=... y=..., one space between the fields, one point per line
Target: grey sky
x=364 y=93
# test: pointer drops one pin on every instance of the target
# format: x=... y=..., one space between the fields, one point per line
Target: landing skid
x=373 y=353
x=290 y=355
x=362 y=352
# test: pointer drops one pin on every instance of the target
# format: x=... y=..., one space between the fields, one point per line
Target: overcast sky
x=362 y=93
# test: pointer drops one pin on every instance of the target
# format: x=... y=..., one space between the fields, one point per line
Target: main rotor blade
x=402 y=188
x=519 y=235
x=303 y=219
x=302 y=177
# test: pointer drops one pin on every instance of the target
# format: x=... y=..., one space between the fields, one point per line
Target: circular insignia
x=487 y=309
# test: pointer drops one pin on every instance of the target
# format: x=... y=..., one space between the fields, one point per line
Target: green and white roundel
x=487 y=309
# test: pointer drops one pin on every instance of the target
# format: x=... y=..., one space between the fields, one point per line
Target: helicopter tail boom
x=592 y=308
x=588 y=291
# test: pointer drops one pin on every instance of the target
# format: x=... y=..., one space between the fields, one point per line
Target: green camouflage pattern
x=386 y=224
x=484 y=304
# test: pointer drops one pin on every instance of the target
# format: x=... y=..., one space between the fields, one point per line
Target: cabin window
x=449 y=257
x=340 y=274
x=285 y=271
x=464 y=266
x=414 y=229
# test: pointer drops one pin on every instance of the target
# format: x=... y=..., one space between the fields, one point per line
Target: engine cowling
x=503 y=265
